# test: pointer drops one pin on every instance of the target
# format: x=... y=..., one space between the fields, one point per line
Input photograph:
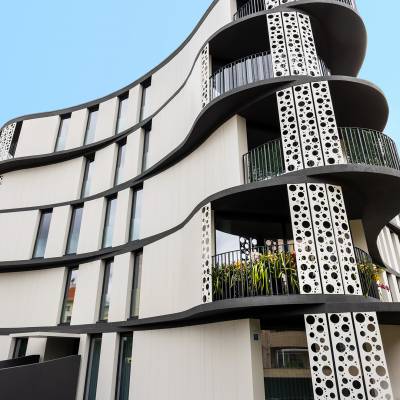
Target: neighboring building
x=212 y=230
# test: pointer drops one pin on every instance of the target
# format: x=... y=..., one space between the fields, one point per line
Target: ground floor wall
x=391 y=344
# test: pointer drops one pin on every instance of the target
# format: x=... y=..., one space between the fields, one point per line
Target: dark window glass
x=105 y=294
x=93 y=368
x=62 y=132
x=21 y=344
x=74 y=229
x=146 y=140
x=145 y=85
x=137 y=276
x=91 y=125
x=109 y=221
x=291 y=358
x=42 y=234
x=122 y=118
x=69 y=295
x=120 y=163
x=124 y=367
x=87 y=176
x=134 y=232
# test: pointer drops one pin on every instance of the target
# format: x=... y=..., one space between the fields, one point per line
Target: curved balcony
x=359 y=146
x=254 y=68
x=255 y=6
x=272 y=271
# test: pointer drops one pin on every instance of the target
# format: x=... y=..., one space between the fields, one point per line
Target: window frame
x=144 y=85
x=146 y=145
x=89 y=365
x=133 y=210
x=66 y=288
x=121 y=98
x=17 y=347
x=136 y=278
x=119 y=365
x=63 y=118
x=121 y=153
x=91 y=111
x=42 y=212
x=107 y=272
x=89 y=160
x=71 y=223
x=109 y=201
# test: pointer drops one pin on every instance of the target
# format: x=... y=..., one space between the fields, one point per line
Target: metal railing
x=264 y=161
x=254 y=68
x=265 y=271
x=366 y=146
x=368 y=285
x=255 y=6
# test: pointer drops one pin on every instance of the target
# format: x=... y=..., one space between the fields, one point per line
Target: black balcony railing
x=365 y=271
x=254 y=68
x=255 y=6
x=360 y=146
x=366 y=146
x=265 y=271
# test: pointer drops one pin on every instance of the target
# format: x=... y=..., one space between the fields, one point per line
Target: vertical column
x=205 y=75
x=6 y=138
x=306 y=254
x=206 y=251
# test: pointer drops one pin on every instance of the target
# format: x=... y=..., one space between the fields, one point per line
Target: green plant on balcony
x=370 y=274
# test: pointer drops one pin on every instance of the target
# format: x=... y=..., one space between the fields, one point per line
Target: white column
x=84 y=346
x=58 y=232
x=36 y=346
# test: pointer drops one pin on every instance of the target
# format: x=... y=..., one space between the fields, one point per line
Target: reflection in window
x=62 y=132
x=109 y=221
x=42 y=234
x=74 y=229
x=119 y=168
x=286 y=365
x=137 y=276
x=21 y=344
x=136 y=215
x=93 y=368
x=91 y=125
x=145 y=86
x=87 y=177
x=124 y=367
x=105 y=295
x=122 y=119
x=69 y=295
x=146 y=142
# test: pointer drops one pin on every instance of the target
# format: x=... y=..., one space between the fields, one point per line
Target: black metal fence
x=368 y=284
x=263 y=271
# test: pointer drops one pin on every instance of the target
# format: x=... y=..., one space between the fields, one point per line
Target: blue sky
x=58 y=54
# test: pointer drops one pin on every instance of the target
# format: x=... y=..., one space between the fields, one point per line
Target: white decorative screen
x=277 y=42
x=324 y=239
x=344 y=242
x=205 y=76
x=320 y=355
x=6 y=138
x=289 y=131
x=306 y=255
x=328 y=131
x=206 y=248
x=270 y=4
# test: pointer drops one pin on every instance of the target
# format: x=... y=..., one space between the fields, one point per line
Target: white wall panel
x=391 y=344
x=77 y=128
x=106 y=119
x=6 y=347
x=122 y=217
x=58 y=232
x=104 y=169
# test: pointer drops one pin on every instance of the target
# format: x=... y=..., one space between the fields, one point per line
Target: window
x=124 y=367
x=87 y=176
x=137 y=276
x=290 y=358
x=105 y=294
x=21 y=344
x=146 y=140
x=120 y=163
x=134 y=231
x=109 y=221
x=74 y=229
x=122 y=113
x=69 y=295
x=145 y=85
x=93 y=368
x=91 y=125
x=42 y=234
x=62 y=132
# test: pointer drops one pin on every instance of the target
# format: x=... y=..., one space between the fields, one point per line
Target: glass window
x=93 y=368
x=124 y=367
x=69 y=295
x=120 y=163
x=109 y=221
x=21 y=344
x=87 y=176
x=137 y=276
x=290 y=358
x=74 y=229
x=146 y=140
x=42 y=234
x=122 y=118
x=136 y=215
x=62 y=132
x=91 y=125
x=105 y=294
x=145 y=85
